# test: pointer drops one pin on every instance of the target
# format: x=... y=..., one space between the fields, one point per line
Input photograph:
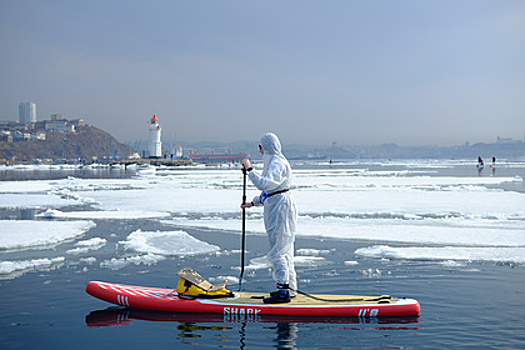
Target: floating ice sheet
x=444 y=231
x=262 y=262
x=410 y=205
x=24 y=187
x=37 y=201
x=93 y=242
x=508 y=255
x=312 y=252
x=167 y=243
x=145 y=259
x=85 y=246
x=232 y=280
x=309 y=260
x=23 y=234
x=19 y=267
x=104 y=215
x=88 y=260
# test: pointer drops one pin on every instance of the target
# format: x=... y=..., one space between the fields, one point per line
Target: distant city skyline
x=354 y=72
x=28 y=115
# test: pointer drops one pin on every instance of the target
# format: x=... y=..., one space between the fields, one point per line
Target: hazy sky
x=366 y=72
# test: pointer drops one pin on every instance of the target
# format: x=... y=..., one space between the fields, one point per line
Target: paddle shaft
x=243 y=239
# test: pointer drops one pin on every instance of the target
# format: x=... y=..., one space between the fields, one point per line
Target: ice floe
x=24 y=234
x=119 y=263
x=25 y=187
x=231 y=279
x=480 y=231
x=167 y=243
x=102 y=215
x=88 y=260
x=85 y=246
x=262 y=262
x=312 y=252
x=300 y=260
x=18 y=267
x=492 y=254
x=445 y=218
x=36 y=201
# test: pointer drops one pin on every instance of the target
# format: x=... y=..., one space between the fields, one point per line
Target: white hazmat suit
x=280 y=211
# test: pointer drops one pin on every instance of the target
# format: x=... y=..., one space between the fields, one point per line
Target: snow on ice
x=90 y=244
x=167 y=243
x=442 y=218
x=493 y=254
x=20 y=266
x=24 y=234
x=100 y=214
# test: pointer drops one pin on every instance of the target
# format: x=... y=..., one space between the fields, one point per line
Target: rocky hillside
x=87 y=142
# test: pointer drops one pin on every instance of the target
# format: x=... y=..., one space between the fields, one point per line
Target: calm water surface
x=476 y=306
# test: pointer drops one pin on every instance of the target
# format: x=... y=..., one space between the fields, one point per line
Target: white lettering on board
x=240 y=311
x=368 y=312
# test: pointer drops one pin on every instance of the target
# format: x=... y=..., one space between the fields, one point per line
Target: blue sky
x=356 y=72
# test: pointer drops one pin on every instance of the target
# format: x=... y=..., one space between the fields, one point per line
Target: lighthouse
x=155 y=144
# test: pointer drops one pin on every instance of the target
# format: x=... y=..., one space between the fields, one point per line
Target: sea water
x=442 y=232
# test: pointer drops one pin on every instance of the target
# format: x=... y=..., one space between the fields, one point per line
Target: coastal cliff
x=87 y=143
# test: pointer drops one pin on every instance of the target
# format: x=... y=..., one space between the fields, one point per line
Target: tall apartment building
x=27 y=113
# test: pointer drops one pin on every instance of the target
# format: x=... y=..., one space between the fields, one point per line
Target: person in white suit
x=280 y=215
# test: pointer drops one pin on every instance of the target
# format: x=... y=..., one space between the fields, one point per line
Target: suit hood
x=271 y=144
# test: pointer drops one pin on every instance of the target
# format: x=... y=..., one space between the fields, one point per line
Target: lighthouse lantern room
x=155 y=144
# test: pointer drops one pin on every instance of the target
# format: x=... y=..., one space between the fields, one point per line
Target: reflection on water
x=190 y=329
x=116 y=315
x=18 y=214
x=286 y=334
x=222 y=328
x=24 y=173
x=27 y=214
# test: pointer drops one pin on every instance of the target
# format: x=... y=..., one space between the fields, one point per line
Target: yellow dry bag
x=193 y=284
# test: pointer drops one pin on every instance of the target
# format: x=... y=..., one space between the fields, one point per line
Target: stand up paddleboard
x=251 y=304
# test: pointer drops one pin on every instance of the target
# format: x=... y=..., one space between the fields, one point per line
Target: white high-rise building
x=155 y=144
x=27 y=113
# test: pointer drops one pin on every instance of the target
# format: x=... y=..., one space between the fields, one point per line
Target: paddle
x=243 y=239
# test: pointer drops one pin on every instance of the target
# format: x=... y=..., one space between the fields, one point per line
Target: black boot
x=280 y=296
x=277 y=292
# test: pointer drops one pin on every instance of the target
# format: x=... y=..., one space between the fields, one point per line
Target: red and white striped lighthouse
x=155 y=144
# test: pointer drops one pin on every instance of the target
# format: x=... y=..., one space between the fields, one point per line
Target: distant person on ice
x=480 y=162
x=280 y=215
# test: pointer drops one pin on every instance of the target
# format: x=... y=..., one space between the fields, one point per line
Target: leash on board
x=384 y=298
x=380 y=299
